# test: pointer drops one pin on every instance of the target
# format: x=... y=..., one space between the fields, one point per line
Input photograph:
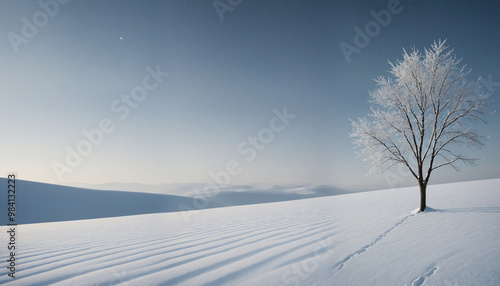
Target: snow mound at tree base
x=427 y=210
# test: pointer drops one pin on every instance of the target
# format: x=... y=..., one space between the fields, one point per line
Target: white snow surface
x=369 y=238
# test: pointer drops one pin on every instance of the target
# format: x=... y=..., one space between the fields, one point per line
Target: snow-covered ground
x=369 y=238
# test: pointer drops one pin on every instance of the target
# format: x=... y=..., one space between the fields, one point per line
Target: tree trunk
x=423 y=188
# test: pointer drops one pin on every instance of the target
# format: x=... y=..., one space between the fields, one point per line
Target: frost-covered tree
x=424 y=111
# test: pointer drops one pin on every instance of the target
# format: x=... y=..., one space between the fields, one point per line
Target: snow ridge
x=226 y=279
x=341 y=264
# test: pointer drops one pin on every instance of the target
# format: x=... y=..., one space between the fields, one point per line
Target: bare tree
x=424 y=112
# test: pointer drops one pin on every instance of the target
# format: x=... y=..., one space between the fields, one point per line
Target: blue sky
x=224 y=80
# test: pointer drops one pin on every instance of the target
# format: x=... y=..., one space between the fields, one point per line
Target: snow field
x=366 y=238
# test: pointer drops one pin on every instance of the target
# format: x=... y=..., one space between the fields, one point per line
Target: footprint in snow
x=421 y=279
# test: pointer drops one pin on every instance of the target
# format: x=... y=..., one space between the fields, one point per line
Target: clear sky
x=66 y=67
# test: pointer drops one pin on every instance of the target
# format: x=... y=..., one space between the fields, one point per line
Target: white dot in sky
x=121 y=38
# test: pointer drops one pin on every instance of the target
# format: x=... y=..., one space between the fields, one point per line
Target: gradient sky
x=225 y=79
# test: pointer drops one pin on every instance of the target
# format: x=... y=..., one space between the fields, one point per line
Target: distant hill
x=41 y=202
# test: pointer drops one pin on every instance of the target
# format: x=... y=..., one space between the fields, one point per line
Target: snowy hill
x=231 y=195
x=369 y=238
x=39 y=202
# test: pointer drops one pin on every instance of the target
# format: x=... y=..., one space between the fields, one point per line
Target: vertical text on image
x=11 y=225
